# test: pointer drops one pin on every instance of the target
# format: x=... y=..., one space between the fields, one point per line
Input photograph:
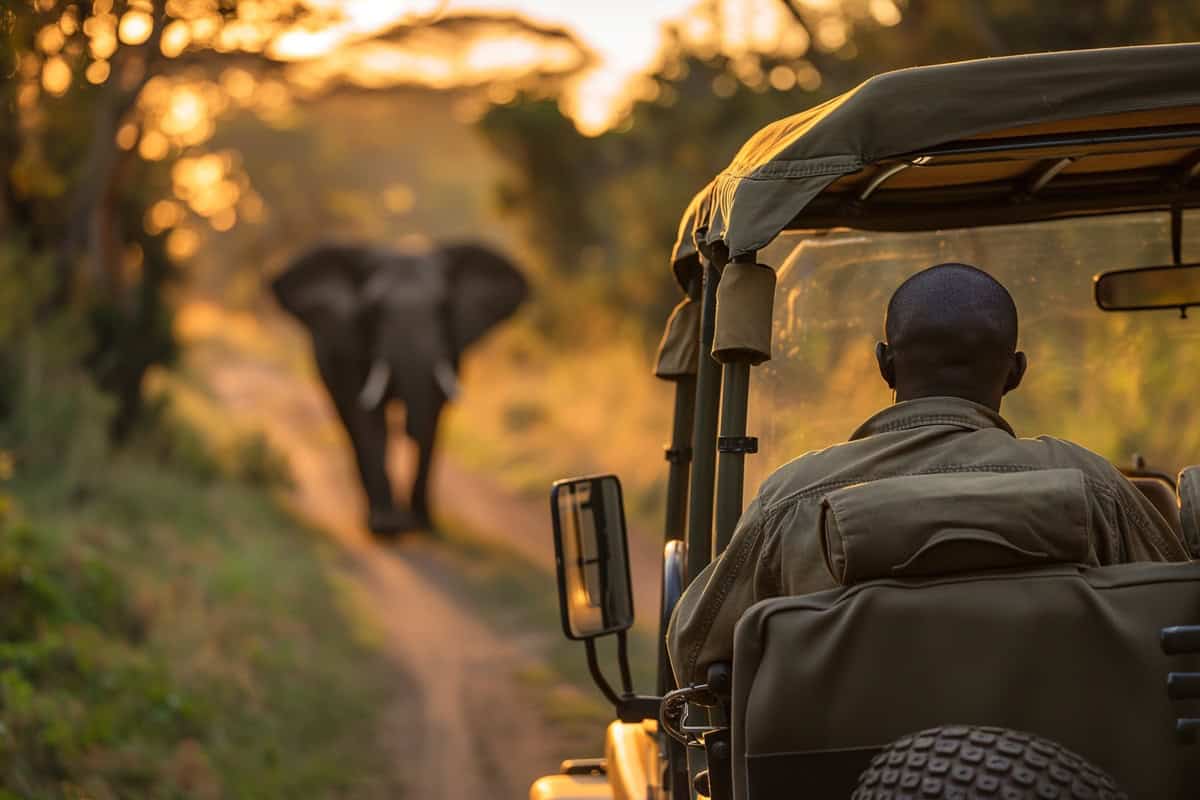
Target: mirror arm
x=629 y=707
x=638 y=707
x=597 y=676
x=623 y=661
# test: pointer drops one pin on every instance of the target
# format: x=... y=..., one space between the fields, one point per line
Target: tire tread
x=957 y=761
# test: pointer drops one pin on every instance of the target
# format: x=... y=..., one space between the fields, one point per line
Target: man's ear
x=887 y=365
x=1019 y=364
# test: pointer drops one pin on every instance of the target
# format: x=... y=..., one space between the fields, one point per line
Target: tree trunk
x=83 y=243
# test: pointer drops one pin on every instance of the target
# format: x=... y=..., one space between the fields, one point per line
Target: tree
x=602 y=212
x=71 y=182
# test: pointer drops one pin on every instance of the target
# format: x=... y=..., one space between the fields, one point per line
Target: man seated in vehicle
x=950 y=357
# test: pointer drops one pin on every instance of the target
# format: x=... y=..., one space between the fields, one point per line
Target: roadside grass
x=520 y=598
x=167 y=632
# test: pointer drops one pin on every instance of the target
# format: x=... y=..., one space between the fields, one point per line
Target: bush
x=169 y=633
x=80 y=698
x=142 y=652
x=53 y=420
x=251 y=459
x=167 y=436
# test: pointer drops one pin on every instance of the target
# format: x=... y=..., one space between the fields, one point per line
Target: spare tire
x=978 y=762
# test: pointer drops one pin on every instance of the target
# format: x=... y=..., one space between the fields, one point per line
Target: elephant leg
x=368 y=434
x=424 y=433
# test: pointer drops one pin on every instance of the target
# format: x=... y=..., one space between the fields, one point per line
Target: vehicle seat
x=822 y=682
x=1188 y=487
x=967 y=599
x=1162 y=496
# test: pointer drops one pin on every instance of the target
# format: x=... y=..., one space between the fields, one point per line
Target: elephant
x=392 y=325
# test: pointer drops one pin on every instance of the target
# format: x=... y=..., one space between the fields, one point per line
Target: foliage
x=142 y=653
x=54 y=420
x=83 y=158
x=600 y=214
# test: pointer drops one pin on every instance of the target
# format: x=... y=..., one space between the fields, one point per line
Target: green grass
x=166 y=631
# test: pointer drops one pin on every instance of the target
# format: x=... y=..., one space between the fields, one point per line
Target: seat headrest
x=946 y=523
x=1188 y=487
x=1161 y=495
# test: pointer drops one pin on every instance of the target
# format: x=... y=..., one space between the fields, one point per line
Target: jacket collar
x=932 y=411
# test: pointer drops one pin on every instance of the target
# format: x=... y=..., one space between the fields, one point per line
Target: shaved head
x=951 y=331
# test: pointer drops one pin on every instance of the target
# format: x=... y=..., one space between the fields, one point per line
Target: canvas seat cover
x=1189 y=507
x=923 y=525
x=1160 y=493
x=1069 y=653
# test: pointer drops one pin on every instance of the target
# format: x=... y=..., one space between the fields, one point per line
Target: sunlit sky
x=624 y=35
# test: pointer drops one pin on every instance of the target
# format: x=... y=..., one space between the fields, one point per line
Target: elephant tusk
x=375 y=385
x=446 y=379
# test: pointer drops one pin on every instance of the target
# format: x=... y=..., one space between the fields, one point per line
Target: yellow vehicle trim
x=631 y=750
x=570 y=787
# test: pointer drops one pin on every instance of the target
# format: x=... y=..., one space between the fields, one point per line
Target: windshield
x=1118 y=383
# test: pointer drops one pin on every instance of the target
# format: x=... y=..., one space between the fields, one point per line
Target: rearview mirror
x=1149 y=288
x=590 y=549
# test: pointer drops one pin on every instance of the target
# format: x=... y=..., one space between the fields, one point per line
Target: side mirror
x=591 y=553
x=1149 y=288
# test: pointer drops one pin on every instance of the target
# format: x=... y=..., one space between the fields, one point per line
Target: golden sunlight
x=398 y=198
x=163 y=215
x=208 y=185
x=101 y=31
x=50 y=40
x=182 y=244
x=885 y=12
x=97 y=72
x=127 y=136
x=238 y=84
x=185 y=111
x=56 y=76
x=136 y=27
x=154 y=146
x=175 y=38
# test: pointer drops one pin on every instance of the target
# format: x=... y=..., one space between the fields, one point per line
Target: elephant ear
x=485 y=288
x=323 y=283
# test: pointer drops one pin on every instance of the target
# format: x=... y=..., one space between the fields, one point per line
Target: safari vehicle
x=1074 y=178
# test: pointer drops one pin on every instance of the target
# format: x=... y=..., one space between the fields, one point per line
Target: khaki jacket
x=777 y=550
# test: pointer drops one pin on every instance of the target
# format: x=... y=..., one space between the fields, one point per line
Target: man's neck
x=904 y=394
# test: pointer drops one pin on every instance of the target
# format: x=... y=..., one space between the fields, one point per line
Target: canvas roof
x=992 y=141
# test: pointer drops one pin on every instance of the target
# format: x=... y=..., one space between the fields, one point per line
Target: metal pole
x=704 y=438
x=731 y=460
x=733 y=445
x=680 y=457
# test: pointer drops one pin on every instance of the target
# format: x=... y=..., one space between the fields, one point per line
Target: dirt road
x=464 y=726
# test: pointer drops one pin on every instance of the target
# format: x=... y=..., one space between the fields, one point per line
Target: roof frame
x=993 y=204
x=1011 y=144
x=1045 y=172
x=1041 y=193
